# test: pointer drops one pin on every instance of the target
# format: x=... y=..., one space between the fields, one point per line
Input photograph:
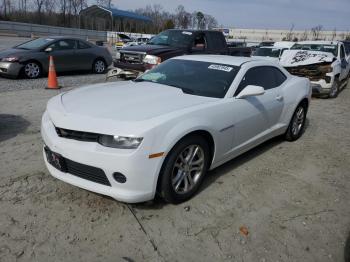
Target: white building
x=278 y=35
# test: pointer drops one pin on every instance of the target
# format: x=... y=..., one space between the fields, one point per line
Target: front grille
x=77 y=135
x=91 y=173
x=132 y=58
x=313 y=72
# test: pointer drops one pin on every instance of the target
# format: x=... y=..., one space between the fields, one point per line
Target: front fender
x=176 y=130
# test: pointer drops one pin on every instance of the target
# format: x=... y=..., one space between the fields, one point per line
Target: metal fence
x=28 y=30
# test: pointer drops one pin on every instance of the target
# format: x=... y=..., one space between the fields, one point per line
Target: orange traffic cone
x=52 y=82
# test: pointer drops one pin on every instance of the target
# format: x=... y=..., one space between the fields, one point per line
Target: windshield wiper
x=138 y=80
x=187 y=90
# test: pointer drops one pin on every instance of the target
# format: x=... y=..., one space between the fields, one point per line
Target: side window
x=279 y=76
x=342 y=52
x=63 y=45
x=266 y=76
x=83 y=45
x=200 y=41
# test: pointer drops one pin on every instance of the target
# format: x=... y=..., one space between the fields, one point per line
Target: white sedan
x=162 y=132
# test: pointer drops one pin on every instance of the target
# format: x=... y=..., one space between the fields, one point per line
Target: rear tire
x=99 y=66
x=297 y=123
x=184 y=169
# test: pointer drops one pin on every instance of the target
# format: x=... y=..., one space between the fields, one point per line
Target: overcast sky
x=271 y=14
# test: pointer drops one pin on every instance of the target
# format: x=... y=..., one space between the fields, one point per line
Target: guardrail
x=28 y=30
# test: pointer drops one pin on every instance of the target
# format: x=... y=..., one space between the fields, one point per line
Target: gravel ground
x=76 y=79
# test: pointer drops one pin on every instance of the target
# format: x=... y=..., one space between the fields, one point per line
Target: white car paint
x=162 y=115
x=284 y=44
x=270 y=58
x=340 y=65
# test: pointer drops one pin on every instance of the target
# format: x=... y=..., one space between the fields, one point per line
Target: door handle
x=279 y=98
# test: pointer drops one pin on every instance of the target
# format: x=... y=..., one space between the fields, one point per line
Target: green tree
x=169 y=24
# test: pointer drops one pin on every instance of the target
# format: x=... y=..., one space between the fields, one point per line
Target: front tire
x=184 y=169
x=32 y=70
x=297 y=124
x=99 y=66
x=333 y=93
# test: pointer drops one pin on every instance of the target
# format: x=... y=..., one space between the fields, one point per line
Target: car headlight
x=152 y=60
x=121 y=142
x=10 y=59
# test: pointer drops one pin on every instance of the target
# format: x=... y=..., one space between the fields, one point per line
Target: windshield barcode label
x=221 y=68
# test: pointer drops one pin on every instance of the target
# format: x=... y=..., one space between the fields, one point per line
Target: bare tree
x=211 y=22
x=289 y=36
x=105 y=3
x=334 y=33
x=316 y=32
x=304 y=36
x=39 y=6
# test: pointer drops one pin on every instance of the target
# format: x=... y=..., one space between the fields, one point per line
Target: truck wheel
x=333 y=93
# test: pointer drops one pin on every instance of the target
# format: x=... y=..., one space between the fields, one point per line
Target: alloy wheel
x=99 y=66
x=298 y=121
x=188 y=169
x=32 y=70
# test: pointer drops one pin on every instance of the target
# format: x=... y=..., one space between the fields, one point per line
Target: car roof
x=55 y=37
x=271 y=47
x=318 y=42
x=218 y=59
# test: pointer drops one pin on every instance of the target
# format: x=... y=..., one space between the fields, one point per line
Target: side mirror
x=251 y=91
x=48 y=50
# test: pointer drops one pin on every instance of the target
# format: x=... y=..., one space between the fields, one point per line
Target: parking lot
x=279 y=202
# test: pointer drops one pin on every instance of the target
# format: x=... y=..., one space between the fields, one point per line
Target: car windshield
x=173 y=38
x=35 y=44
x=271 y=52
x=317 y=47
x=193 y=77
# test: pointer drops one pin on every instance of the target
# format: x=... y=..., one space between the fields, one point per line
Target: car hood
x=150 y=49
x=12 y=52
x=123 y=106
x=291 y=58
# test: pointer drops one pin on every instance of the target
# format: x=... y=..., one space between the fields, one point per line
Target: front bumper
x=10 y=69
x=140 y=171
x=320 y=87
x=130 y=66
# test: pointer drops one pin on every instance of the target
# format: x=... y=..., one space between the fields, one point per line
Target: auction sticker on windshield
x=221 y=68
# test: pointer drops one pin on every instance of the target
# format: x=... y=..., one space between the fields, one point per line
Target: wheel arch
x=32 y=60
x=207 y=135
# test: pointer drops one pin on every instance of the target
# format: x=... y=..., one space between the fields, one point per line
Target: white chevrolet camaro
x=162 y=132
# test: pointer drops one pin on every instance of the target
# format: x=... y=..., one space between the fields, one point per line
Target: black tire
x=99 y=66
x=32 y=70
x=166 y=187
x=297 y=123
x=333 y=93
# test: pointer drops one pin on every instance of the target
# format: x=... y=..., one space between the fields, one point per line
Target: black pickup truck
x=171 y=43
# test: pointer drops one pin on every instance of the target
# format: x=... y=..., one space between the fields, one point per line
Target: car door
x=63 y=52
x=84 y=56
x=258 y=114
x=343 y=63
